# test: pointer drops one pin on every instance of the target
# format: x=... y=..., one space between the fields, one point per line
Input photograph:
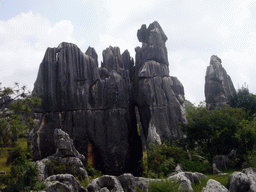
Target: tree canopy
x=244 y=99
x=218 y=131
x=16 y=108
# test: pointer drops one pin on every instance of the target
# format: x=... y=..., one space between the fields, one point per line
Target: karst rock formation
x=219 y=88
x=102 y=108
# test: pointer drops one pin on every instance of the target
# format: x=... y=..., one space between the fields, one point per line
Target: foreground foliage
x=160 y=161
x=16 y=107
x=22 y=173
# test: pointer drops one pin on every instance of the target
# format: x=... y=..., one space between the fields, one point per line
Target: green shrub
x=163 y=186
x=16 y=154
x=218 y=131
x=92 y=172
x=22 y=177
x=161 y=160
x=55 y=167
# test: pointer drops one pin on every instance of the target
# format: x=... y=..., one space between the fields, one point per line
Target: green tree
x=16 y=108
x=244 y=99
x=218 y=131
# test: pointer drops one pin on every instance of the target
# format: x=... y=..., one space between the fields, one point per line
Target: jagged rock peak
x=159 y=97
x=153 y=47
x=92 y=53
x=154 y=34
x=219 y=88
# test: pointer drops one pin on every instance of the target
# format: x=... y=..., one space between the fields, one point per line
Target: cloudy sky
x=195 y=29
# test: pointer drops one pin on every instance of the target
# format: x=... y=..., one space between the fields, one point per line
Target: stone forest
x=107 y=115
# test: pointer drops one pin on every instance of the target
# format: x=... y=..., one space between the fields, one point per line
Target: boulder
x=66 y=154
x=219 y=88
x=221 y=162
x=215 y=170
x=179 y=168
x=251 y=174
x=238 y=182
x=185 y=183
x=127 y=181
x=62 y=182
x=103 y=182
x=65 y=146
x=143 y=183
x=214 y=186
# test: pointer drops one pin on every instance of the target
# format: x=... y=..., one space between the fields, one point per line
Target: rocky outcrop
x=66 y=154
x=159 y=97
x=63 y=182
x=238 y=181
x=91 y=104
x=219 y=87
x=213 y=186
x=97 y=106
x=127 y=182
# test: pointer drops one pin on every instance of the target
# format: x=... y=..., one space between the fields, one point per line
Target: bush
x=17 y=154
x=161 y=160
x=55 y=167
x=92 y=172
x=22 y=177
x=218 y=131
x=163 y=186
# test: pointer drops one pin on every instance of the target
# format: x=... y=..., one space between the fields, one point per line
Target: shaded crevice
x=135 y=142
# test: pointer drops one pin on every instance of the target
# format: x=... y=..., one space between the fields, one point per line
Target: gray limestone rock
x=65 y=146
x=143 y=183
x=159 y=97
x=91 y=104
x=221 y=162
x=97 y=106
x=251 y=174
x=106 y=181
x=127 y=181
x=65 y=154
x=238 y=181
x=219 y=87
x=214 y=186
x=185 y=183
x=62 y=182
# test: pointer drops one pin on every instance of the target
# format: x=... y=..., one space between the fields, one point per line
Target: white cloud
x=23 y=41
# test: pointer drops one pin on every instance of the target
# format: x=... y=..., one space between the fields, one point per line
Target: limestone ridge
x=158 y=95
x=219 y=88
x=97 y=106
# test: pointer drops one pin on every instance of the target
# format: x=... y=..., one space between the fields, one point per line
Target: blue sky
x=195 y=30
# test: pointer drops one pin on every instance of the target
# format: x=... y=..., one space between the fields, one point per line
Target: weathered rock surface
x=214 y=186
x=65 y=154
x=251 y=174
x=63 y=182
x=97 y=106
x=238 y=181
x=219 y=87
x=127 y=182
x=110 y=182
x=91 y=104
x=159 y=97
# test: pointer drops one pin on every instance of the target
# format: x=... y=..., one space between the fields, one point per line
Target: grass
x=222 y=179
x=4 y=154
